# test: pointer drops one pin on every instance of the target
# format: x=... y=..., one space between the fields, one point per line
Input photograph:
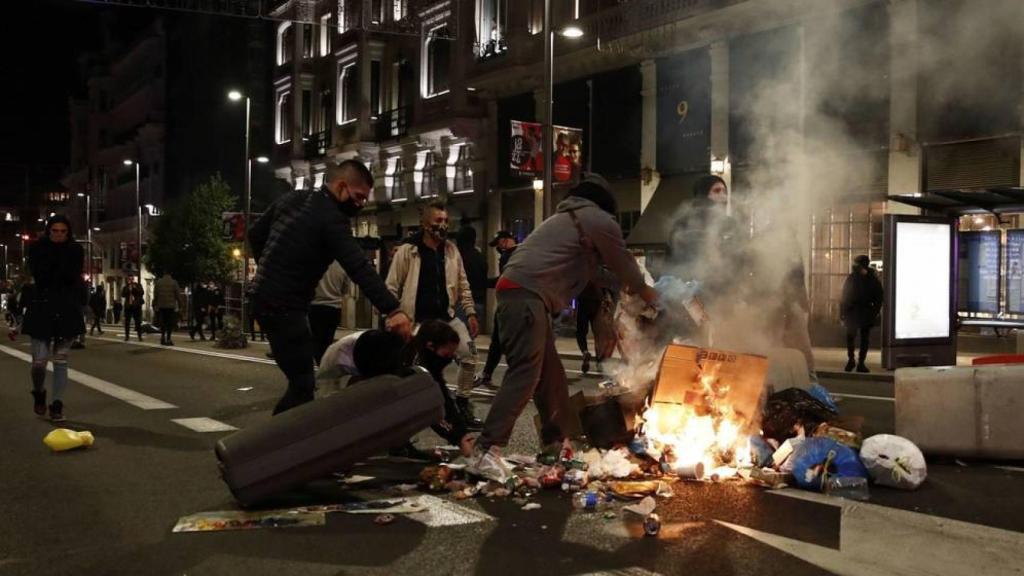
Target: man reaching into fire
x=549 y=269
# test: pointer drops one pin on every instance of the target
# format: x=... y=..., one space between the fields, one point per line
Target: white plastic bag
x=894 y=461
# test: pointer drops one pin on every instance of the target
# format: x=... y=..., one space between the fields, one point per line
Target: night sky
x=43 y=41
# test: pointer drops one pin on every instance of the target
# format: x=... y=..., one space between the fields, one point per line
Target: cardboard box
x=738 y=379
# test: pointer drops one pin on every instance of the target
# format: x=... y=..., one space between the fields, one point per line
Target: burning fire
x=699 y=424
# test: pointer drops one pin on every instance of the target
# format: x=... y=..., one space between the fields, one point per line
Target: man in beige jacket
x=428 y=278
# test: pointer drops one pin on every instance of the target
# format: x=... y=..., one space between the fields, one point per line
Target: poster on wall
x=1015 y=271
x=922 y=304
x=979 y=280
x=527 y=151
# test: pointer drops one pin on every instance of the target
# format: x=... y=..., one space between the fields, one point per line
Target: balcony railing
x=318 y=143
x=394 y=123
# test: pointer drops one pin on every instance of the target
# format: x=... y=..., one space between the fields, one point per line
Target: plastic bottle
x=63 y=439
x=851 y=487
x=589 y=500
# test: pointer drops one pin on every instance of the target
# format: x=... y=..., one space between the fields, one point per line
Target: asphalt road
x=110 y=509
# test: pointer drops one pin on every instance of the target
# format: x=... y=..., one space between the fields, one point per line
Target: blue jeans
x=44 y=351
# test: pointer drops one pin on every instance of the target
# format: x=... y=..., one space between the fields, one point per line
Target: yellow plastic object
x=63 y=439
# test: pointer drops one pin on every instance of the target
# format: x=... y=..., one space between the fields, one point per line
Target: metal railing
x=394 y=123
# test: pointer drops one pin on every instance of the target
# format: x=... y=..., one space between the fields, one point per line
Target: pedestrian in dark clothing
x=215 y=308
x=474 y=263
x=294 y=242
x=117 y=307
x=505 y=243
x=254 y=326
x=166 y=301
x=133 y=296
x=54 y=317
x=98 y=304
x=588 y=306
x=200 y=302
x=859 y=309
x=325 y=310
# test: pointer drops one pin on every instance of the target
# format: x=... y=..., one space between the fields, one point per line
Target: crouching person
x=551 y=267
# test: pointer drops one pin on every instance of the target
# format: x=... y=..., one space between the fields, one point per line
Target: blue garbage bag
x=817 y=459
x=821 y=394
x=761 y=451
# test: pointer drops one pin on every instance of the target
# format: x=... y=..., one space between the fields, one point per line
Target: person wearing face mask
x=505 y=243
x=54 y=318
x=294 y=243
x=859 y=308
x=429 y=278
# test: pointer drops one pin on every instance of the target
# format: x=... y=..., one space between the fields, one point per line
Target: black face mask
x=439 y=231
x=349 y=207
x=432 y=362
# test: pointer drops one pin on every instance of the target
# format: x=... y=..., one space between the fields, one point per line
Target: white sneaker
x=489 y=465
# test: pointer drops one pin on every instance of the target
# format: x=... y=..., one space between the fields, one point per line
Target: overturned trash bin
x=325 y=436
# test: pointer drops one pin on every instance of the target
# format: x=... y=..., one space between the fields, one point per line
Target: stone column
x=905 y=159
x=649 y=133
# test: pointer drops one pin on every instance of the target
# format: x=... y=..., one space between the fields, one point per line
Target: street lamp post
x=6 y=274
x=88 y=231
x=571 y=31
x=138 y=211
x=235 y=96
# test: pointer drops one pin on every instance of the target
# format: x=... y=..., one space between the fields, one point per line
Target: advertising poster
x=922 y=279
x=979 y=271
x=527 y=151
x=1015 y=271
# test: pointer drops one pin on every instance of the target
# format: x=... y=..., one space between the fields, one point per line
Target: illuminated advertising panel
x=922 y=299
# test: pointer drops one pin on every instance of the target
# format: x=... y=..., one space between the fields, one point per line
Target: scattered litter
x=609 y=515
x=405 y=487
x=664 y=490
x=614 y=463
x=63 y=439
x=894 y=461
x=818 y=459
x=642 y=508
x=354 y=479
x=960 y=463
x=383 y=519
x=531 y=506
x=589 y=500
x=244 y=388
x=402 y=506
x=652 y=524
x=845 y=437
x=240 y=520
x=634 y=489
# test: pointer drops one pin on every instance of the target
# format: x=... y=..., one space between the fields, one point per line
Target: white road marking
x=190 y=350
x=862 y=397
x=441 y=512
x=203 y=424
x=132 y=397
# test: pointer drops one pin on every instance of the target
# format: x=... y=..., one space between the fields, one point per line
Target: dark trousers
x=584 y=317
x=197 y=325
x=865 y=338
x=167 y=320
x=534 y=372
x=132 y=313
x=292 y=345
x=323 y=322
x=97 y=317
x=117 y=315
x=495 y=351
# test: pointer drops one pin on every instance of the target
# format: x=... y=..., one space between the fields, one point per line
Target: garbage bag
x=821 y=394
x=817 y=459
x=787 y=408
x=760 y=451
x=894 y=461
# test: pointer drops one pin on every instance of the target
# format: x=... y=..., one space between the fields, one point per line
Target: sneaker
x=489 y=465
x=585 y=367
x=472 y=422
x=484 y=380
x=57 y=411
x=39 y=402
x=850 y=365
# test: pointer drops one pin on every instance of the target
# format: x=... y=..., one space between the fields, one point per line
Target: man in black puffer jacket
x=294 y=242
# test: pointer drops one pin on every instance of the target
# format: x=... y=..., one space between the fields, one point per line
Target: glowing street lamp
x=236 y=96
x=138 y=212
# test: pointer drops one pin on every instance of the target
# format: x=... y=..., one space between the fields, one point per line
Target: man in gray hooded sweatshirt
x=547 y=271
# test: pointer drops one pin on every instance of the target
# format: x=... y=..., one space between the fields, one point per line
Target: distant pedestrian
x=475 y=264
x=325 y=310
x=133 y=297
x=166 y=302
x=215 y=308
x=255 y=328
x=54 y=317
x=429 y=279
x=117 y=307
x=98 y=304
x=294 y=243
x=199 y=304
x=505 y=243
x=859 y=309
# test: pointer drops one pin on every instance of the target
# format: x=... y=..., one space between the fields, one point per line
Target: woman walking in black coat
x=54 y=317
x=860 y=306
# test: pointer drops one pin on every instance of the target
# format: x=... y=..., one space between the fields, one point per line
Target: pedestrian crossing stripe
x=203 y=424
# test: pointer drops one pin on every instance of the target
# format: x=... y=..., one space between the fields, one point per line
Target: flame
x=705 y=431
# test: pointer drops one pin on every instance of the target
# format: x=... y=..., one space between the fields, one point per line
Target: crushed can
x=574 y=480
x=652 y=524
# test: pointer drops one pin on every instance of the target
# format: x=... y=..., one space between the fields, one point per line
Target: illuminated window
x=394 y=180
x=459 y=170
x=400 y=8
x=423 y=176
x=348 y=91
x=285 y=42
x=283 y=114
x=437 y=53
x=342 y=17
x=325 y=34
x=492 y=18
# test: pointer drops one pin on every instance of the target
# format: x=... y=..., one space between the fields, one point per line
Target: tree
x=188 y=239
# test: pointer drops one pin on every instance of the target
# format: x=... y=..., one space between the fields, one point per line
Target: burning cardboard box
x=704 y=406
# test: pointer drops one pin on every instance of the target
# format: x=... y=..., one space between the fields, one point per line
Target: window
x=348 y=89
x=492 y=18
x=376 y=11
x=459 y=170
x=326 y=111
x=307 y=40
x=423 y=176
x=400 y=9
x=325 y=34
x=375 y=88
x=283 y=115
x=437 y=55
x=342 y=17
x=393 y=180
x=307 y=112
x=285 y=43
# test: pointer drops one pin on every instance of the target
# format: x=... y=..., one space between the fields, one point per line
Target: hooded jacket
x=55 y=309
x=553 y=263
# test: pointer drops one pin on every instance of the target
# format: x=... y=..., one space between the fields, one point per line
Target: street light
x=138 y=212
x=262 y=159
x=235 y=96
x=88 y=229
x=571 y=31
x=6 y=275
